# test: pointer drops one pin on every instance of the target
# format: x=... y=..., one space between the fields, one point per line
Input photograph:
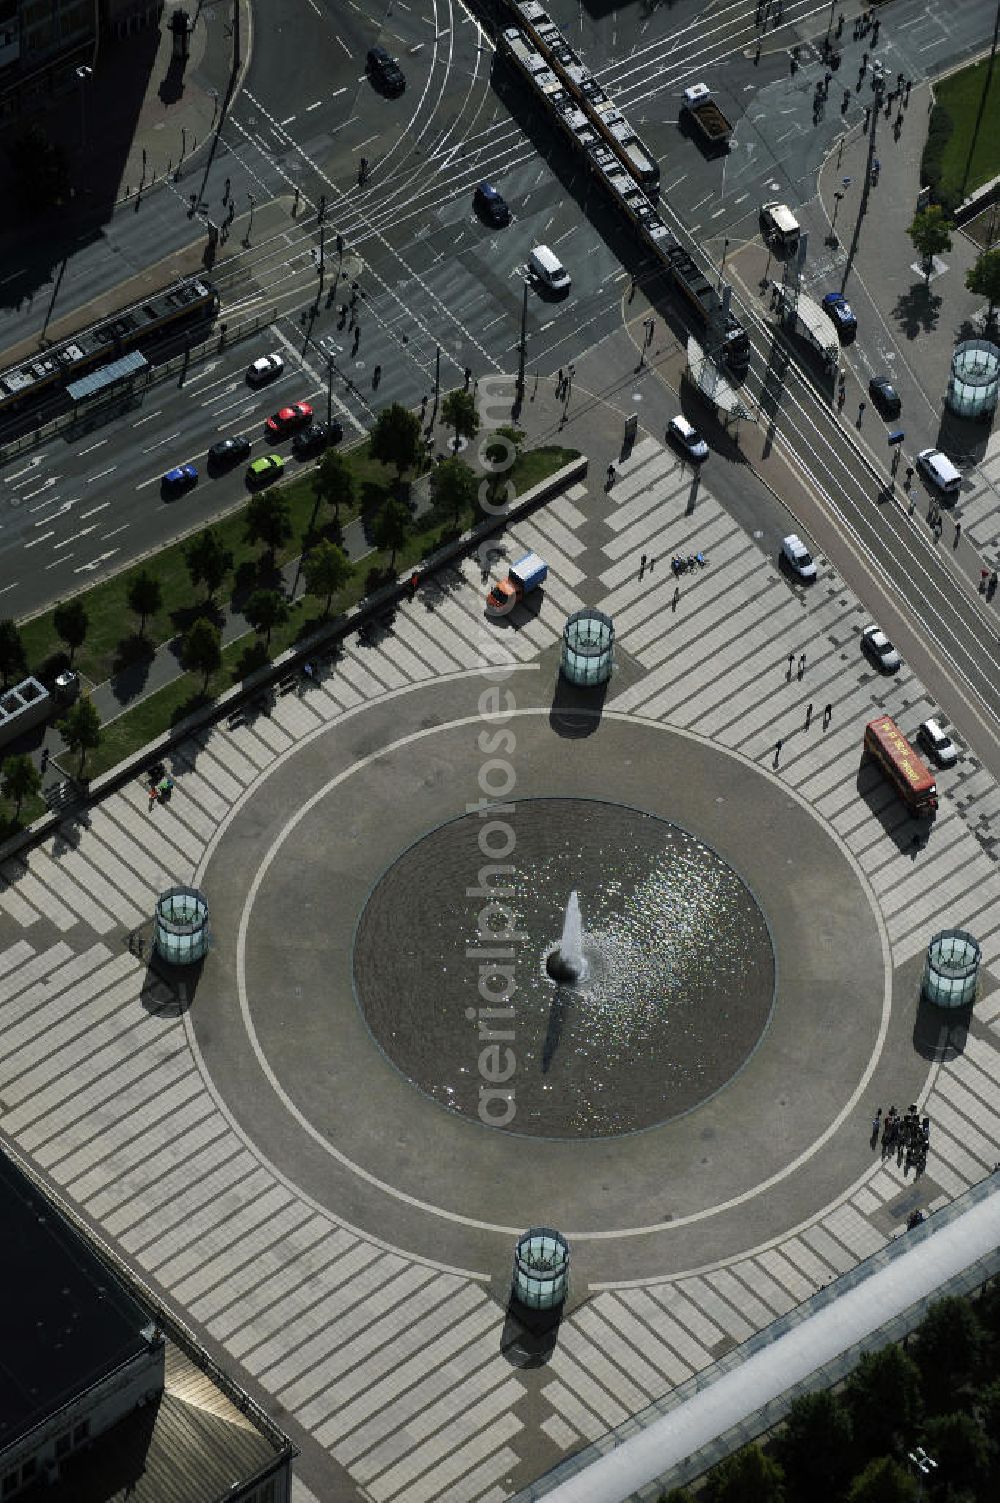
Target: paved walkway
x=387 y=1365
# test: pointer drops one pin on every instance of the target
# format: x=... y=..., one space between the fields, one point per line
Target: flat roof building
x=104 y=1396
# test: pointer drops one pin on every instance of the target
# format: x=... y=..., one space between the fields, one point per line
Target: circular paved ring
x=288 y=876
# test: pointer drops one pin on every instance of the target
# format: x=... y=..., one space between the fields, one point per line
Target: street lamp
x=83 y=73
x=923 y=1465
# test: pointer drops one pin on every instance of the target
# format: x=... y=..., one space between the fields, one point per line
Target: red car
x=288 y=418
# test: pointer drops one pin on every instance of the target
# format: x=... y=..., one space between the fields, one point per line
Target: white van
x=546 y=267
x=779 y=226
x=938 y=469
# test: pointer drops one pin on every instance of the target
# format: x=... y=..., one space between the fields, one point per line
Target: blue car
x=490 y=203
x=836 y=306
x=181 y=478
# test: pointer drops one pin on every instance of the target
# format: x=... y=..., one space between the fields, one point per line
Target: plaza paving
x=359 y=1299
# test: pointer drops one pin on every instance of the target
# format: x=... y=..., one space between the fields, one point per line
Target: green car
x=268 y=467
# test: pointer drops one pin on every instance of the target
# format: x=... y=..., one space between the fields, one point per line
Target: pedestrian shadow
x=917 y=311
x=69 y=833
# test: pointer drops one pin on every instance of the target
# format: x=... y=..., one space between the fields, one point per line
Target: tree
x=70 y=620
x=333 y=482
x=814 y=1448
x=201 y=650
x=144 y=597
x=327 y=569
x=458 y=411
x=391 y=529
x=984 y=278
x=12 y=657
x=882 y=1395
x=949 y=1348
x=931 y=234
x=268 y=521
x=208 y=561
x=959 y=1447
x=81 y=730
x=454 y=487
x=265 y=610
x=395 y=438
x=748 y=1476
x=21 y=780
x=883 y=1481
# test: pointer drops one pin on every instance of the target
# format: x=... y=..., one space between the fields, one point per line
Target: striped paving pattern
x=390 y=1363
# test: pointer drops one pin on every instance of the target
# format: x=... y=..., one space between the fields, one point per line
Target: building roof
x=65 y=1320
x=192 y=1446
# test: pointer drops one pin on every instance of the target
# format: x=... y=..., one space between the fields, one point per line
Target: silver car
x=876 y=646
x=265 y=368
x=934 y=740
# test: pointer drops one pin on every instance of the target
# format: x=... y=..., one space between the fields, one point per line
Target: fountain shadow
x=576 y=712
x=557 y=1020
x=529 y=1337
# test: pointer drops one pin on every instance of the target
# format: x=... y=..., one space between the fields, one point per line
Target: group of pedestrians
x=907 y=1136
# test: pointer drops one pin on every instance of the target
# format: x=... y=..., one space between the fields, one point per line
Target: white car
x=876 y=646
x=264 y=368
x=938 y=470
x=934 y=740
x=797 y=556
x=687 y=438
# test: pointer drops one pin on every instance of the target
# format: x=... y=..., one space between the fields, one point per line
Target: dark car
x=316 y=438
x=836 y=306
x=885 y=396
x=179 y=479
x=228 y=451
x=491 y=204
x=384 y=71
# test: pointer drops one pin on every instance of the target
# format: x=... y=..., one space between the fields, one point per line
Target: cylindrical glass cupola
x=588 y=648
x=181 y=935
x=951 y=970
x=541 y=1269
x=974 y=382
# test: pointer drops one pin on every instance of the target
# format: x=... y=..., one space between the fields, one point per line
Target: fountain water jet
x=566 y=963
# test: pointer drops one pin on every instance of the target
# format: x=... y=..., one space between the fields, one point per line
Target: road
x=436 y=283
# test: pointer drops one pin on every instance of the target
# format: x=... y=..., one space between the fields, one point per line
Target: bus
x=896 y=759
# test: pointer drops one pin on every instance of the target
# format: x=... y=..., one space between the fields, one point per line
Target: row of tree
x=931 y=232
x=396 y=440
x=939 y=1391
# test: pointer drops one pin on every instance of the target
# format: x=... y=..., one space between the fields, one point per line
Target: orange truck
x=897 y=760
x=523 y=577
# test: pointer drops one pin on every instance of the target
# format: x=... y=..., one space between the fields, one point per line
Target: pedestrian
x=677 y=596
x=611 y=476
x=357 y=337
x=423 y=405
x=791 y=663
x=827 y=715
x=642 y=565
x=991 y=588
x=906 y=96
x=908 y=481
x=225 y=192
x=802 y=664
x=875 y=28
x=559 y=382
x=958 y=532
x=414 y=581
x=864 y=61
x=809 y=715
x=861 y=412
x=876 y=1124
x=652 y=561
x=376 y=377
x=777 y=750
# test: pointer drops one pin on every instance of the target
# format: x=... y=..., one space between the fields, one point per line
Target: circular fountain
x=627 y=1020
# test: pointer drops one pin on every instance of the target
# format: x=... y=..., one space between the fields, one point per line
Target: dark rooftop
x=65 y=1320
x=192 y=1446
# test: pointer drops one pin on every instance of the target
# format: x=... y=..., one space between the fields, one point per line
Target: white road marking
x=41 y=539
x=103 y=474
x=94 y=510
x=139 y=422
x=158 y=445
x=100 y=441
